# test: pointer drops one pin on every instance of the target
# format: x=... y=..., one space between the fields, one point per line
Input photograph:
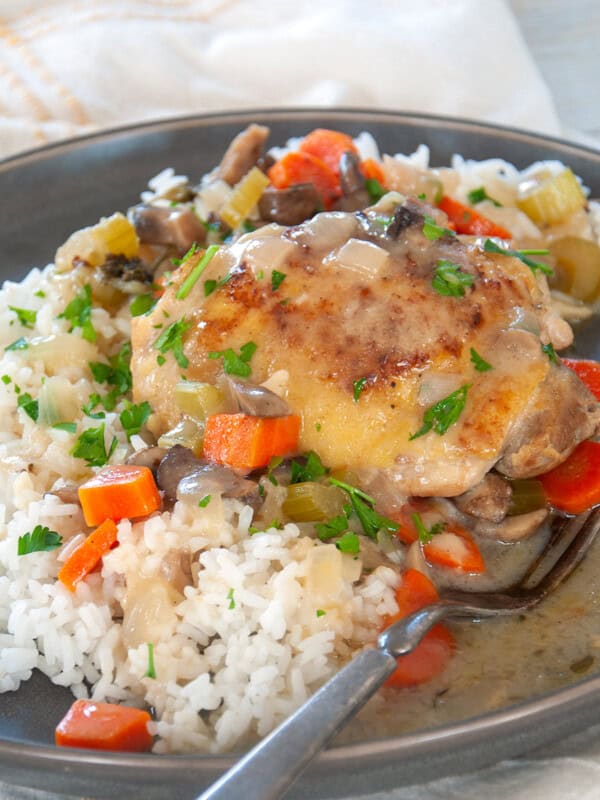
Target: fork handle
x=275 y=763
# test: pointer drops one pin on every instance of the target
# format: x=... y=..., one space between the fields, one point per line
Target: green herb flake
x=333 y=527
x=209 y=287
x=277 y=278
x=116 y=373
x=231 y=600
x=523 y=255
x=191 y=280
x=273 y=464
x=172 y=339
x=205 y=501
x=363 y=505
x=160 y=360
x=134 y=417
x=94 y=400
x=18 y=344
x=150 y=671
x=142 y=304
x=320 y=612
x=374 y=189
x=433 y=231
x=480 y=364
x=78 y=313
x=69 y=427
x=426 y=534
x=479 y=195
x=26 y=317
x=449 y=279
x=311 y=470
x=248 y=227
x=40 y=293
x=348 y=543
x=91 y=448
x=261 y=490
x=444 y=413
x=29 y=405
x=549 y=350
x=234 y=364
x=6 y=379
x=358 y=387
x=177 y=262
x=318 y=427
x=40 y=539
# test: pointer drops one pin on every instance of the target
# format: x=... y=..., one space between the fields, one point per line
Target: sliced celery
x=552 y=199
x=527 y=495
x=199 y=400
x=578 y=267
x=188 y=433
x=113 y=235
x=312 y=502
x=244 y=197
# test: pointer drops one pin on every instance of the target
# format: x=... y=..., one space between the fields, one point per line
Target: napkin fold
x=71 y=66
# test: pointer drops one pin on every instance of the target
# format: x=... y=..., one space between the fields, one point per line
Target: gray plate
x=47 y=194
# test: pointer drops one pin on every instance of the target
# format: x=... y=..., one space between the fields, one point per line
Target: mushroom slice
x=176 y=227
x=513 y=529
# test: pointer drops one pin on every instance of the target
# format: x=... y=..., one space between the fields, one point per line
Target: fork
x=274 y=764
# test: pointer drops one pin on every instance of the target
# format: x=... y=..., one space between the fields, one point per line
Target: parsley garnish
x=177 y=262
x=40 y=539
x=142 y=304
x=358 y=385
x=273 y=464
x=333 y=527
x=116 y=373
x=432 y=231
x=277 y=278
x=69 y=427
x=234 y=364
x=205 y=501
x=18 y=344
x=134 y=417
x=248 y=227
x=93 y=400
x=29 y=405
x=348 y=543
x=39 y=293
x=90 y=446
x=311 y=470
x=320 y=612
x=444 y=413
x=209 y=287
x=479 y=195
x=172 y=339
x=374 y=189
x=450 y=280
x=79 y=311
x=26 y=317
x=491 y=247
x=231 y=600
x=150 y=672
x=426 y=534
x=191 y=280
x=6 y=379
x=480 y=364
x=549 y=350
x=363 y=506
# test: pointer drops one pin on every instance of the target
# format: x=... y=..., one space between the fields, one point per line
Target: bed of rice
x=244 y=646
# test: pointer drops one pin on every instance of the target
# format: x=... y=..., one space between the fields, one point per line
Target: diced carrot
x=574 y=485
x=328 y=146
x=242 y=441
x=588 y=371
x=373 y=170
x=296 y=168
x=122 y=491
x=104 y=726
x=467 y=220
x=88 y=555
x=432 y=654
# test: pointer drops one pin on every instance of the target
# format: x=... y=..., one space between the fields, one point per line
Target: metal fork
x=275 y=763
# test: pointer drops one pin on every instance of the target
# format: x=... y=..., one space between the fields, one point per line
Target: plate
x=49 y=193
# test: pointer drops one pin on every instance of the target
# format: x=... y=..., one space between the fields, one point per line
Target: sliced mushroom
x=257 y=401
x=513 y=529
x=177 y=462
x=489 y=500
x=177 y=227
x=352 y=181
x=181 y=474
x=148 y=457
x=289 y=206
x=242 y=154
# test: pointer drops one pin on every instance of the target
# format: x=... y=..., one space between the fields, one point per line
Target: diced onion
x=188 y=433
x=59 y=350
x=113 y=235
x=57 y=401
x=324 y=576
x=149 y=610
x=363 y=257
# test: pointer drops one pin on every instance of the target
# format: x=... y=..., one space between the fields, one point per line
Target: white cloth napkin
x=69 y=66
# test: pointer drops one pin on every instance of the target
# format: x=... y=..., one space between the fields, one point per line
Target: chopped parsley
x=150 y=671
x=320 y=612
x=195 y=273
x=88 y=409
x=273 y=464
x=172 y=339
x=39 y=293
x=6 y=379
x=248 y=227
x=523 y=255
x=69 y=427
x=348 y=543
x=78 y=313
x=311 y=470
x=374 y=189
x=231 y=600
x=234 y=364
x=205 y=501
x=26 y=317
x=480 y=364
x=18 y=344
x=335 y=526
x=444 y=413
x=116 y=374
x=30 y=406
x=160 y=360
x=433 y=231
x=209 y=287
x=449 y=279
x=358 y=387
x=363 y=505
x=134 y=417
x=549 y=350
x=177 y=262
x=91 y=448
x=277 y=278
x=479 y=195
x=40 y=539
x=426 y=534
x=142 y=304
